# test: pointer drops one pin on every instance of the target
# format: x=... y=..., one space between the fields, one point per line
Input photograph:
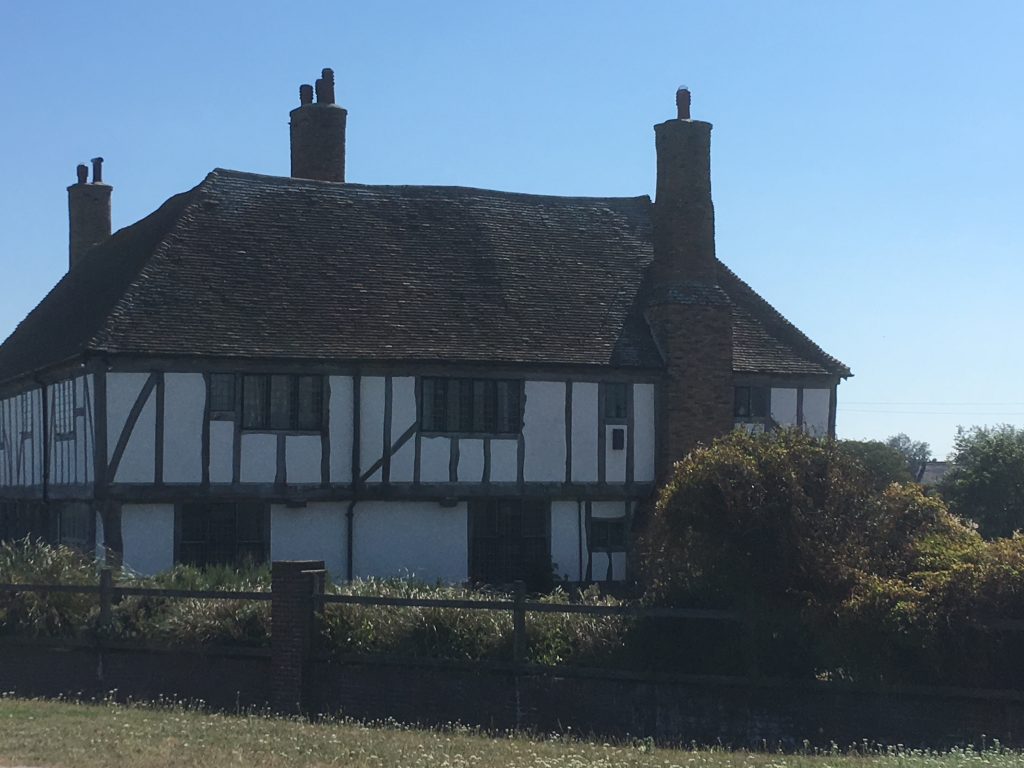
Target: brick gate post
x=296 y=586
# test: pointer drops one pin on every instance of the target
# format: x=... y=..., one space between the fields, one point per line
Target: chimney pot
x=683 y=103
x=305 y=94
x=327 y=76
x=97 y=170
x=83 y=173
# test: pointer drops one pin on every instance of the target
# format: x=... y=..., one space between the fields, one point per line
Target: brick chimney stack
x=688 y=312
x=318 y=133
x=88 y=212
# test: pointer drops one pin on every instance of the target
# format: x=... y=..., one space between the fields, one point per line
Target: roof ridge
x=228 y=172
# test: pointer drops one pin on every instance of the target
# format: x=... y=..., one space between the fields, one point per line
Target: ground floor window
x=510 y=540
x=75 y=525
x=235 y=534
x=24 y=519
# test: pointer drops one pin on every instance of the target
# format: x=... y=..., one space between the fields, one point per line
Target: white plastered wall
x=403 y=417
x=816 y=408
x=643 y=432
x=147 y=531
x=302 y=459
x=421 y=539
x=316 y=531
x=184 y=404
x=340 y=425
x=259 y=458
x=567 y=538
x=371 y=425
x=584 y=432
x=222 y=450
x=22 y=454
x=544 y=431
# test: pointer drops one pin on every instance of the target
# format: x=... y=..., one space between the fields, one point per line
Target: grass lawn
x=40 y=733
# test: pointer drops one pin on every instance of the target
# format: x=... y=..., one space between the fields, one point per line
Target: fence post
x=294 y=585
x=519 y=623
x=106 y=597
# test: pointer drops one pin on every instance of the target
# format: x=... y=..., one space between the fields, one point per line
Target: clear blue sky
x=867 y=156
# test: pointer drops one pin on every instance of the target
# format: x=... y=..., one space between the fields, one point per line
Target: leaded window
x=510 y=540
x=471 y=406
x=282 y=402
x=232 y=534
x=64 y=409
x=750 y=402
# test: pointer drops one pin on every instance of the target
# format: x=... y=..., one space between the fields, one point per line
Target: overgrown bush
x=458 y=634
x=33 y=614
x=784 y=528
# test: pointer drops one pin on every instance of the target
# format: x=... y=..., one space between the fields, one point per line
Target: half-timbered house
x=455 y=383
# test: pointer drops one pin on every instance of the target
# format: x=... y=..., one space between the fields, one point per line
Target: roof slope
x=273 y=267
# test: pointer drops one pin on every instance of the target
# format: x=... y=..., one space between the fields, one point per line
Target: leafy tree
x=883 y=463
x=914 y=452
x=986 y=483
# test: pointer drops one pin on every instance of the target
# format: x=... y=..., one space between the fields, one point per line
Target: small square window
x=615 y=401
x=750 y=402
x=608 y=534
x=618 y=439
x=222 y=392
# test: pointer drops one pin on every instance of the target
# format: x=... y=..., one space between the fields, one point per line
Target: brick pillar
x=296 y=585
x=88 y=213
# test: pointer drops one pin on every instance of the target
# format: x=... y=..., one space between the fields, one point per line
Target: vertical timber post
x=297 y=586
x=106 y=598
x=518 y=645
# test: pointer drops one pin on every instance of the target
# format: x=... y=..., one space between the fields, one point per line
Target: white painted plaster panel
x=784 y=406
x=340 y=422
x=643 y=432
x=302 y=459
x=566 y=541
x=147 y=531
x=138 y=462
x=422 y=539
x=403 y=405
x=544 y=431
x=584 y=432
x=184 y=403
x=435 y=457
x=471 y=461
x=599 y=566
x=403 y=462
x=371 y=423
x=816 y=411
x=222 y=451
x=122 y=391
x=615 y=460
x=259 y=458
x=314 y=532
x=504 y=461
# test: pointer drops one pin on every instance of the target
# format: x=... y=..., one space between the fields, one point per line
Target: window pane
x=490 y=406
x=759 y=401
x=466 y=407
x=222 y=392
x=193 y=523
x=452 y=422
x=435 y=392
x=310 y=400
x=741 y=402
x=615 y=401
x=504 y=403
x=254 y=402
x=281 y=402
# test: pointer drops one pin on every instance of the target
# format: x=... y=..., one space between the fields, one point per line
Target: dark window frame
x=751 y=403
x=608 y=534
x=27 y=414
x=219 y=407
x=495 y=533
x=249 y=550
x=64 y=410
x=470 y=406
x=308 y=420
x=616 y=402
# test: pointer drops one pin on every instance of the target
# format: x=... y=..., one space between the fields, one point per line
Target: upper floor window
x=477 y=406
x=222 y=393
x=282 y=402
x=615 y=402
x=26 y=413
x=750 y=402
x=64 y=409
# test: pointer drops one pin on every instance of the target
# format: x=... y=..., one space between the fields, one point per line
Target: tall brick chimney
x=88 y=211
x=318 y=133
x=688 y=312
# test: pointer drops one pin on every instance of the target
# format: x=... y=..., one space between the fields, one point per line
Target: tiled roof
x=270 y=267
